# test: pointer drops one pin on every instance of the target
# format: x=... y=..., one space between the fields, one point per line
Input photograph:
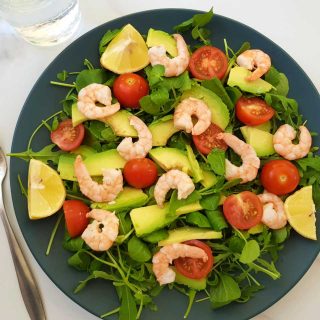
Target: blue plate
x=99 y=296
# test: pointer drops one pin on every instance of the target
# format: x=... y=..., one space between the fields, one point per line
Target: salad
x=176 y=165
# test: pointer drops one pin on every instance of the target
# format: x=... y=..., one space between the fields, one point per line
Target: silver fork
x=28 y=287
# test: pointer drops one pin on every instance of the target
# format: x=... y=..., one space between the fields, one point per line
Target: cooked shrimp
x=175 y=66
x=167 y=254
x=273 y=211
x=90 y=95
x=251 y=163
x=282 y=142
x=129 y=150
x=188 y=107
x=102 y=231
x=254 y=58
x=107 y=191
x=173 y=179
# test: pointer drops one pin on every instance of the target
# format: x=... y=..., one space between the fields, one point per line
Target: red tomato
x=280 y=177
x=208 y=62
x=195 y=268
x=253 y=111
x=243 y=210
x=66 y=136
x=207 y=140
x=140 y=173
x=75 y=214
x=129 y=88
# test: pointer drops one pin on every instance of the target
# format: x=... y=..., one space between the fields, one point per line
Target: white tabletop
x=294 y=25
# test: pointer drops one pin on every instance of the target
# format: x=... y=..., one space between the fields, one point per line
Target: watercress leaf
x=156 y=236
x=63 y=75
x=198 y=219
x=217 y=87
x=72 y=244
x=280 y=235
x=125 y=223
x=234 y=94
x=236 y=244
x=201 y=19
x=216 y=219
x=149 y=106
x=107 y=37
x=216 y=159
x=210 y=202
x=155 y=74
x=179 y=140
x=226 y=291
x=250 y=252
x=128 y=307
x=138 y=250
x=80 y=261
x=159 y=96
x=175 y=203
x=86 y=77
x=182 y=82
x=278 y=80
x=108 y=135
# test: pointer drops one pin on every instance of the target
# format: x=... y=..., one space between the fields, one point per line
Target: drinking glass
x=42 y=22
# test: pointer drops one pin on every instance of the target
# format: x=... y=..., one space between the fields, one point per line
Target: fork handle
x=28 y=287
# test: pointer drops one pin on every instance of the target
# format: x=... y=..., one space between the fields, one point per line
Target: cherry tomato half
x=280 y=177
x=195 y=268
x=129 y=88
x=243 y=210
x=207 y=140
x=66 y=136
x=75 y=215
x=208 y=62
x=140 y=173
x=253 y=111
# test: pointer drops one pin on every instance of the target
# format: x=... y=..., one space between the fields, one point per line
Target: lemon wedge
x=127 y=52
x=46 y=192
x=300 y=210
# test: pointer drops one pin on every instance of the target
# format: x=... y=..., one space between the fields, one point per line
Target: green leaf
x=108 y=135
x=63 y=75
x=125 y=223
x=128 y=307
x=86 y=77
x=216 y=219
x=234 y=94
x=55 y=123
x=226 y=291
x=184 y=26
x=107 y=37
x=80 y=261
x=210 y=202
x=72 y=244
x=311 y=162
x=250 y=252
x=198 y=219
x=156 y=236
x=236 y=244
x=280 y=235
x=316 y=194
x=149 y=106
x=216 y=159
x=138 y=250
x=278 y=80
x=155 y=74
x=175 y=203
x=159 y=96
x=45 y=155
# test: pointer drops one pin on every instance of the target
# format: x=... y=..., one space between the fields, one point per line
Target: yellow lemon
x=46 y=192
x=300 y=210
x=127 y=52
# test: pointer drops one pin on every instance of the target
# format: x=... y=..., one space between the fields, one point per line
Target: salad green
x=238 y=254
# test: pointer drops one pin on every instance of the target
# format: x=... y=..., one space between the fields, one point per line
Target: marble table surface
x=294 y=25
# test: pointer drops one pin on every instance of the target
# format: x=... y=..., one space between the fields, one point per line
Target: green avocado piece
x=127 y=198
x=151 y=218
x=161 y=38
x=196 y=170
x=94 y=163
x=219 y=111
x=171 y=158
x=196 y=284
x=162 y=130
x=237 y=78
x=261 y=141
x=76 y=115
x=189 y=233
x=84 y=151
x=266 y=126
x=209 y=179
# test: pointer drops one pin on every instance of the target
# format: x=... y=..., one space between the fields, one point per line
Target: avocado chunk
x=94 y=163
x=161 y=38
x=219 y=111
x=189 y=233
x=196 y=284
x=195 y=167
x=237 y=78
x=209 y=179
x=171 y=158
x=119 y=121
x=151 y=218
x=266 y=126
x=127 y=198
x=162 y=130
x=261 y=141
x=84 y=151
